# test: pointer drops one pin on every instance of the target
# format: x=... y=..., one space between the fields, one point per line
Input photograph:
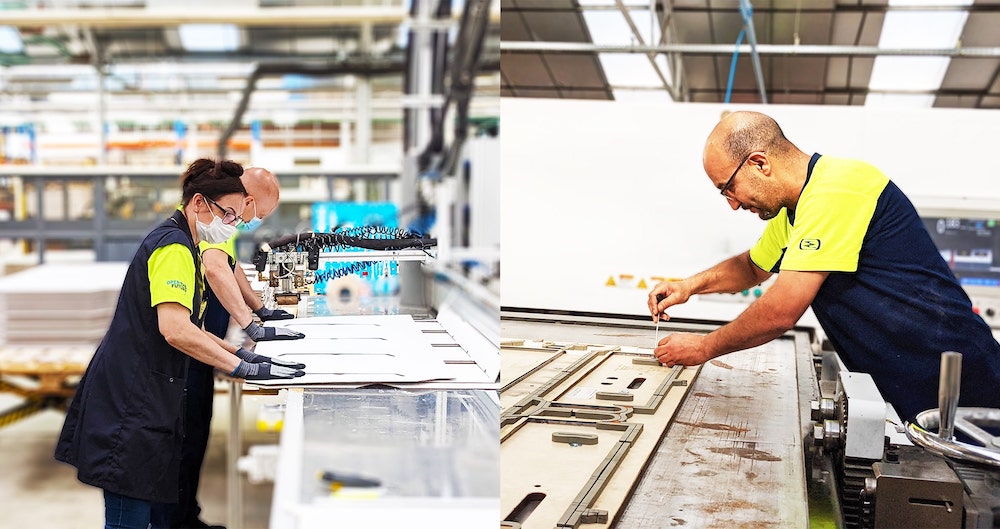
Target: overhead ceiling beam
x=668 y=34
x=807 y=9
x=159 y=17
x=638 y=36
x=762 y=49
x=840 y=90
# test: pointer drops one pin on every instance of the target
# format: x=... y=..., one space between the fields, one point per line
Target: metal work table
x=437 y=456
x=433 y=452
x=733 y=454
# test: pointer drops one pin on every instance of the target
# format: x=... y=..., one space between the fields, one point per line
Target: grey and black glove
x=264 y=371
x=266 y=314
x=259 y=333
x=254 y=358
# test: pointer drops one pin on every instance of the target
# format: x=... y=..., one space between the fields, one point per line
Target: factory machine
x=887 y=473
x=397 y=414
x=396 y=419
x=595 y=433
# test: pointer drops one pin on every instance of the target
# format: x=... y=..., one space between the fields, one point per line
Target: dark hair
x=212 y=179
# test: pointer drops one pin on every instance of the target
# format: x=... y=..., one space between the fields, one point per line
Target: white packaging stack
x=65 y=304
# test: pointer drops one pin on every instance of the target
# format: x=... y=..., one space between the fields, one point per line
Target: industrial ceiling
x=810 y=51
x=130 y=54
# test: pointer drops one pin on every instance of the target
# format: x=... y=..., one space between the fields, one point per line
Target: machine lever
x=944 y=444
x=948 y=390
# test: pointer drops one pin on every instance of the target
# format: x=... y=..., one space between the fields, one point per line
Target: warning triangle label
x=642 y=283
x=610 y=282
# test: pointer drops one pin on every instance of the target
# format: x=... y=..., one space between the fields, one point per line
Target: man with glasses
x=230 y=297
x=231 y=294
x=845 y=240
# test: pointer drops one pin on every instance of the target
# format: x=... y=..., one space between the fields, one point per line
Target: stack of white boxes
x=56 y=313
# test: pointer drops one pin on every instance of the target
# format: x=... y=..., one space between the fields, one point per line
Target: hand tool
x=337 y=480
x=659 y=298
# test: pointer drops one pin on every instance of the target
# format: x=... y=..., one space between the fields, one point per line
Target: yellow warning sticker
x=610 y=282
x=642 y=283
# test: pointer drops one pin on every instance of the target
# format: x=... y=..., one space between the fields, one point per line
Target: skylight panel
x=932 y=29
x=629 y=70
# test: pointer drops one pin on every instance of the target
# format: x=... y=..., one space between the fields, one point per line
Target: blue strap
x=732 y=66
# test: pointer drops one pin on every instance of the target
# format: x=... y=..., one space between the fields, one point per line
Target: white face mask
x=216 y=232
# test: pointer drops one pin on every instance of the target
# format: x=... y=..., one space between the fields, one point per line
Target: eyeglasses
x=228 y=215
x=725 y=189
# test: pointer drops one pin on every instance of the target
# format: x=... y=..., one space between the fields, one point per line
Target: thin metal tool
x=659 y=298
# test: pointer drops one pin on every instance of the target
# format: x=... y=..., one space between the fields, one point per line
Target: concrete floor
x=38 y=492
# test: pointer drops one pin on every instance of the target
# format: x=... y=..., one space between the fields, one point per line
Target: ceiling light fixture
x=10 y=40
x=209 y=37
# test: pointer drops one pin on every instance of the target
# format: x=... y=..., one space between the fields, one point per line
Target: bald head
x=749 y=159
x=262 y=185
x=740 y=133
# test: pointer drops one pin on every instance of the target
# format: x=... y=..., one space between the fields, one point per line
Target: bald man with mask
x=845 y=240
x=231 y=294
x=230 y=297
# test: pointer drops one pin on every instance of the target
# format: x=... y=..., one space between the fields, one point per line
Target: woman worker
x=124 y=428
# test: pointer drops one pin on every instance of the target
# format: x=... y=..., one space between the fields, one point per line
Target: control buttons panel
x=989 y=308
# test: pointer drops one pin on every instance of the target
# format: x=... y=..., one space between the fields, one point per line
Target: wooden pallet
x=43 y=370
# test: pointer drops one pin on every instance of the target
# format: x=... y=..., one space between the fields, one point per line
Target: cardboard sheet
x=388 y=349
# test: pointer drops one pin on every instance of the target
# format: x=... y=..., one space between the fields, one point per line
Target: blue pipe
x=732 y=66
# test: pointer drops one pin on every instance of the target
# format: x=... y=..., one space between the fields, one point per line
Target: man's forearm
x=250 y=297
x=755 y=326
x=732 y=275
x=221 y=279
x=773 y=314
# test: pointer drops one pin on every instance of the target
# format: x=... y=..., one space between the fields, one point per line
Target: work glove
x=254 y=358
x=266 y=314
x=259 y=333
x=264 y=371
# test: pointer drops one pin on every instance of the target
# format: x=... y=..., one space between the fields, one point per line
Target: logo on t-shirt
x=809 y=244
x=177 y=284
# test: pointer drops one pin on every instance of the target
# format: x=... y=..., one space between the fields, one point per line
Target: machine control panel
x=968 y=236
x=988 y=307
x=746 y=296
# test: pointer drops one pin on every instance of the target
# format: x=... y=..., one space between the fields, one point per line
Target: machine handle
x=944 y=444
x=948 y=390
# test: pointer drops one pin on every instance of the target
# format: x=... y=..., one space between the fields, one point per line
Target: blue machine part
x=329 y=217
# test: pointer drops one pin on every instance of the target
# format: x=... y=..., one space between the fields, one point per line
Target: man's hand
x=266 y=314
x=682 y=349
x=258 y=333
x=254 y=358
x=264 y=371
x=672 y=292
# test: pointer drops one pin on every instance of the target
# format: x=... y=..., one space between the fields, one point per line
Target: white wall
x=591 y=190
